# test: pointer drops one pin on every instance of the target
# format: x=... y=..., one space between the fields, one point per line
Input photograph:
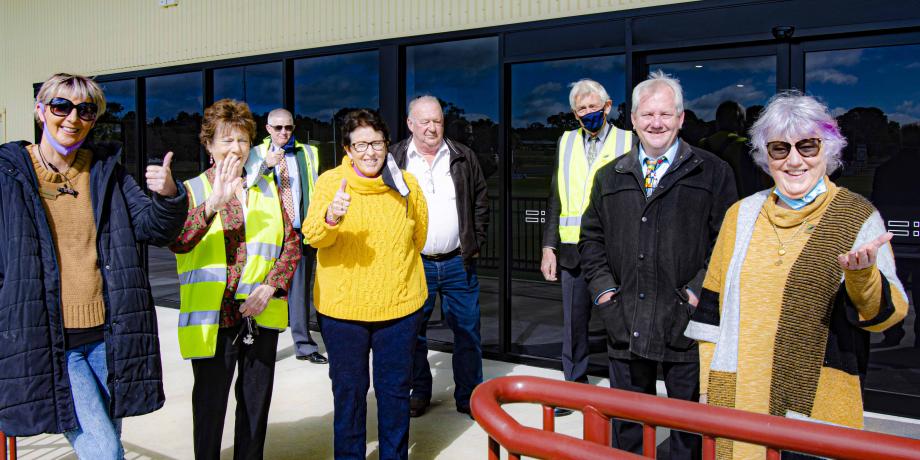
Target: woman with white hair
x=799 y=276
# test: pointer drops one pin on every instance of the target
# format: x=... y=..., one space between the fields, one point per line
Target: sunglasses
x=807 y=148
x=62 y=107
x=283 y=127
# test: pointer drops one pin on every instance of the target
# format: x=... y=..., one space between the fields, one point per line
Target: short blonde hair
x=75 y=85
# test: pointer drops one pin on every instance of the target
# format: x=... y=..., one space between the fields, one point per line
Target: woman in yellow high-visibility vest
x=235 y=258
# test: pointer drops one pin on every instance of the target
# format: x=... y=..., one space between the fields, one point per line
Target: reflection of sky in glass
x=706 y=84
x=884 y=77
x=170 y=94
x=541 y=89
x=258 y=85
x=324 y=85
x=121 y=93
x=464 y=73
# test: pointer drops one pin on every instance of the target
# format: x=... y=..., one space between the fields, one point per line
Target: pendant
x=782 y=251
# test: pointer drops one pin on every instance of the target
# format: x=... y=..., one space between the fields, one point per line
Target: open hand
x=865 y=255
x=160 y=179
x=226 y=182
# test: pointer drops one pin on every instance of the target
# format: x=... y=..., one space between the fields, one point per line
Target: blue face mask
x=594 y=121
x=799 y=203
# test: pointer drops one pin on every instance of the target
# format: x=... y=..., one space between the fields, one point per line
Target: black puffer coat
x=34 y=385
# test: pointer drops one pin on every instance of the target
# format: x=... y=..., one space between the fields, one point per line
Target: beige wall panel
x=110 y=36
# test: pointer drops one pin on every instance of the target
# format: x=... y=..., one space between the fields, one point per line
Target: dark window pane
x=174 y=112
x=463 y=75
x=873 y=93
x=722 y=99
x=325 y=89
x=540 y=113
x=259 y=85
x=118 y=125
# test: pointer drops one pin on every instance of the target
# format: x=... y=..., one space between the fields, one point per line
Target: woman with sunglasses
x=368 y=221
x=78 y=334
x=800 y=275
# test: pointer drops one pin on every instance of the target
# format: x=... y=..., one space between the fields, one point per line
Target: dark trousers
x=300 y=301
x=458 y=287
x=349 y=343
x=576 y=314
x=907 y=269
x=256 y=365
x=682 y=381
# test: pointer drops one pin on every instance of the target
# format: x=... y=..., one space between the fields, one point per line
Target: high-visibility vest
x=309 y=162
x=575 y=178
x=203 y=270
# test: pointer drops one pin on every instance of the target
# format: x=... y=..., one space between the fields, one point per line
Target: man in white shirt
x=458 y=209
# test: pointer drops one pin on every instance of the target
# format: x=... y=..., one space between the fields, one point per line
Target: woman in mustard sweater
x=799 y=276
x=368 y=221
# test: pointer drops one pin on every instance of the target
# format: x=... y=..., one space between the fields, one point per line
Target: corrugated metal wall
x=39 y=37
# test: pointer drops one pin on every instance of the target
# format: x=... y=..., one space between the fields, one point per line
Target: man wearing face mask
x=296 y=167
x=581 y=153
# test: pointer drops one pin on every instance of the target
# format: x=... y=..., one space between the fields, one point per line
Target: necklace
x=69 y=188
x=782 y=244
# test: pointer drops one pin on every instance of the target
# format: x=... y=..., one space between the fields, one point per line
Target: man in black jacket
x=646 y=238
x=458 y=213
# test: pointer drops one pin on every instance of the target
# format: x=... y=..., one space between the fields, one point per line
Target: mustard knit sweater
x=368 y=266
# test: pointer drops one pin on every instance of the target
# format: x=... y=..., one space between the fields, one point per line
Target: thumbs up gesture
x=340 y=203
x=159 y=178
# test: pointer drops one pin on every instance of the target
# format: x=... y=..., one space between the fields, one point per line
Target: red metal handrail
x=600 y=404
x=3 y=442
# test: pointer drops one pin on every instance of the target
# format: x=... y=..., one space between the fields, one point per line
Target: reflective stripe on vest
x=575 y=179
x=203 y=271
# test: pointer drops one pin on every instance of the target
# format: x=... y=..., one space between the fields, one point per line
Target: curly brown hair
x=228 y=113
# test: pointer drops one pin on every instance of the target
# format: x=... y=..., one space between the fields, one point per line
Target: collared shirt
x=669 y=156
x=294 y=177
x=601 y=138
x=439 y=190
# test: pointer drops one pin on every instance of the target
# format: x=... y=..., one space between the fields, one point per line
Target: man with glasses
x=296 y=167
x=581 y=153
x=646 y=236
x=458 y=214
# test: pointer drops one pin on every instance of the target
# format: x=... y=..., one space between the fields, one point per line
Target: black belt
x=442 y=257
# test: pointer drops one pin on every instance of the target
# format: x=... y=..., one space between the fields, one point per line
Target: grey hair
x=791 y=115
x=587 y=86
x=279 y=113
x=423 y=98
x=656 y=80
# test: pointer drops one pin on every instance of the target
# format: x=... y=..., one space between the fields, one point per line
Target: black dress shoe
x=466 y=410
x=561 y=412
x=315 y=358
x=418 y=406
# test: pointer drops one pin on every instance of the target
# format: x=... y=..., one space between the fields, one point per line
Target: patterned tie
x=592 y=150
x=651 y=179
x=287 y=199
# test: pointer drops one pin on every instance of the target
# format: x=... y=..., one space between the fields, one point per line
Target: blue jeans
x=459 y=291
x=349 y=343
x=98 y=436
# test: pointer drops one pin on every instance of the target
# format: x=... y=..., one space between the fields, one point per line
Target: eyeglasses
x=62 y=107
x=288 y=128
x=378 y=146
x=807 y=148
